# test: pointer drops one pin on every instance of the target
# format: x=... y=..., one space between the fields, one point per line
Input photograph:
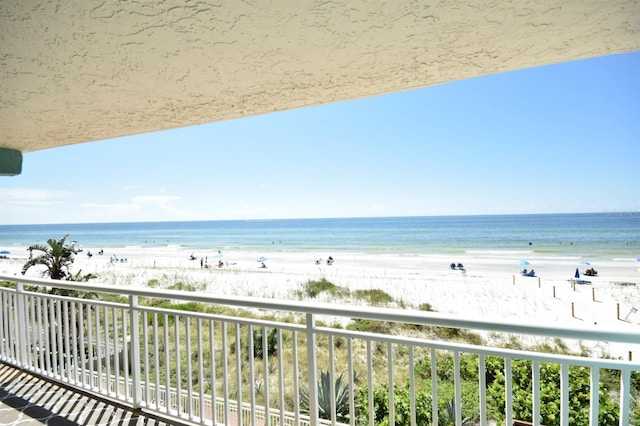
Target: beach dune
x=489 y=287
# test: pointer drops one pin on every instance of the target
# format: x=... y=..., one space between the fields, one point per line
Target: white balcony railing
x=146 y=350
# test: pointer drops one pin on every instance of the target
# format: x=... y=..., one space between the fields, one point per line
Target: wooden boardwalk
x=27 y=399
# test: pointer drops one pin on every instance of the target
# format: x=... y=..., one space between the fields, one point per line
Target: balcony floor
x=27 y=399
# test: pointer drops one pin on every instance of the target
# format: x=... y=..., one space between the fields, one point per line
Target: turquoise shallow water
x=594 y=236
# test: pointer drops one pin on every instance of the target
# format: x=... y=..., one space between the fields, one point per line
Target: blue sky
x=556 y=139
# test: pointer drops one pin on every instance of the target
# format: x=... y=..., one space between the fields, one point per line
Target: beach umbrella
x=584 y=262
x=261 y=259
x=523 y=263
x=577 y=273
x=5 y=252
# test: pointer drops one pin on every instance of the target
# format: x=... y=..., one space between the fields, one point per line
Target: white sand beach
x=490 y=288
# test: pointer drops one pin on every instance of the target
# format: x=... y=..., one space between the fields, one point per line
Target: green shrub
x=341 y=389
x=313 y=289
x=370 y=326
x=579 y=394
x=402 y=405
x=374 y=297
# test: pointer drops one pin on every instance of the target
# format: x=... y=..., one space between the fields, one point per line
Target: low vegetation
x=257 y=336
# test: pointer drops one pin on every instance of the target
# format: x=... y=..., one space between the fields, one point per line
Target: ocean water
x=593 y=236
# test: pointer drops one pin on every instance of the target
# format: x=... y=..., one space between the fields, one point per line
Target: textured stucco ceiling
x=82 y=70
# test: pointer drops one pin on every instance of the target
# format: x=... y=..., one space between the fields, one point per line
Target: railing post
x=21 y=326
x=312 y=365
x=134 y=353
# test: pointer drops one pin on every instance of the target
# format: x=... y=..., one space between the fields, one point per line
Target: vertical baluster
x=4 y=297
x=332 y=380
x=535 y=384
x=434 y=387
x=265 y=366
x=48 y=333
x=392 y=403
x=30 y=332
x=32 y=341
x=239 y=374
x=412 y=386
x=147 y=364
x=74 y=341
x=42 y=335
x=126 y=347
x=100 y=350
x=251 y=350
x=625 y=395
x=167 y=364
x=564 y=394
x=107 y=348
x=281 y=384
x=21 y=324
x=200 y=371
x=212 y=367
x=59 y=336
x=82 y=366
x=66 y=324
x=189 y=404
x=134 y=351
x=52 y=337
x=116 y=351
x=508 y=391
x=312 y=366
x=91 y=356
x=296 y=376
x=458 y=388
x=482 y=383
x=225 y=371
x=3 y=323
x=351 y=372
x=176 y=330
x=594 y=391
x=370 y=382
x=156 y=358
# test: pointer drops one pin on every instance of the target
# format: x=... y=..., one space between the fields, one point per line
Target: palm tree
x=57 y=257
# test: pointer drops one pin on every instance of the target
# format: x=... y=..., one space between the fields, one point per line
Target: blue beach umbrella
x=577 y=273
x=261 y=259
x=523 y=263
x=5 y=252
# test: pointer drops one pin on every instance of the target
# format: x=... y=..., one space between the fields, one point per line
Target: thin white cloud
x=29 y=197
x=137 y=204
x=159 y=201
